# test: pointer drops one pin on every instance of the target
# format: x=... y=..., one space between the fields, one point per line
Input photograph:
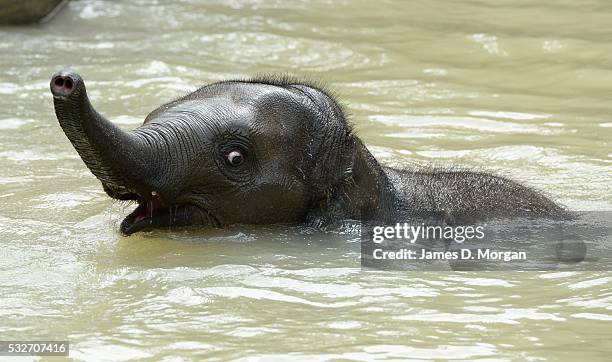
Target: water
x=515 y=87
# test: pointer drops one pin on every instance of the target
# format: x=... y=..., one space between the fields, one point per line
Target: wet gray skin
x=28 y=11
x=266 y=151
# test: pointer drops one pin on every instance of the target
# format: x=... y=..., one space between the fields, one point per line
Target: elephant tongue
x=153 y=213
x=152 y=204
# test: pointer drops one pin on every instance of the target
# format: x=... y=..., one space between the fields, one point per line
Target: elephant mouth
x=122 y=161
x=152 y=213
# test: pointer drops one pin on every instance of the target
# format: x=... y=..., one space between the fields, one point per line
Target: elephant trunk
x=119 y=159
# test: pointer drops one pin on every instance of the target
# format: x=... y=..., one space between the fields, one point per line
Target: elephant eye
x=234 y=158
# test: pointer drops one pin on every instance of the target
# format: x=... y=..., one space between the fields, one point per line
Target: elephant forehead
x=271 y=106
x=204 y=117
x=276 y=121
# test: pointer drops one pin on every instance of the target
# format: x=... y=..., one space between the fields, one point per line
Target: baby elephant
x=263 y=151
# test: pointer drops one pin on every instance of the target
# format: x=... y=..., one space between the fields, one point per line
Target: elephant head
x=235 y=152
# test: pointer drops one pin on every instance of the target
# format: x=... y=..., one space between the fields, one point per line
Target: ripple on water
x=478 y=124
x=335 y=291
x=594 y=316
x=96 y=350
x=154 y=67
x=97 y=9
x=28 y=155
x=63 y=200
x=271 y=49
x=389 y=352
x=9 y=88
x=557 y=275
x=589 y=301
x=486 y=282
x=508 y=316
x=14 y=123
x=186 y=296
x=246 y=332
x=263 y=294
x=590 y=283
x=519 y=116
x=343 y=325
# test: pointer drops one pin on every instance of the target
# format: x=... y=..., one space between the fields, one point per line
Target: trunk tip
x=65 y=83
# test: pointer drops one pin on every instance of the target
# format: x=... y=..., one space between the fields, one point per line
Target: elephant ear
x=333 y=159
x=331 y=149
x=331 y=178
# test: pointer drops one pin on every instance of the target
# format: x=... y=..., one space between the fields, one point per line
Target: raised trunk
x=119 y=159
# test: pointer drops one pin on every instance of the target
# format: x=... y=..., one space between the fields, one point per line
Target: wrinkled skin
x=266 y=151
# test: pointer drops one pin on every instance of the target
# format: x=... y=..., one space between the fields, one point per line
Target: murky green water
x=522 y=88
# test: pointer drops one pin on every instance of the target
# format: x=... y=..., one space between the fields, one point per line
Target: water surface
x=517 y=87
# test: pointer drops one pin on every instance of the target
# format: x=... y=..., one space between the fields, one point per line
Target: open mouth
x=153 y=213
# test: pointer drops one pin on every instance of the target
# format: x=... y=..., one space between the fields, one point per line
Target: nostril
x=65 y=83
x=68 y=84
